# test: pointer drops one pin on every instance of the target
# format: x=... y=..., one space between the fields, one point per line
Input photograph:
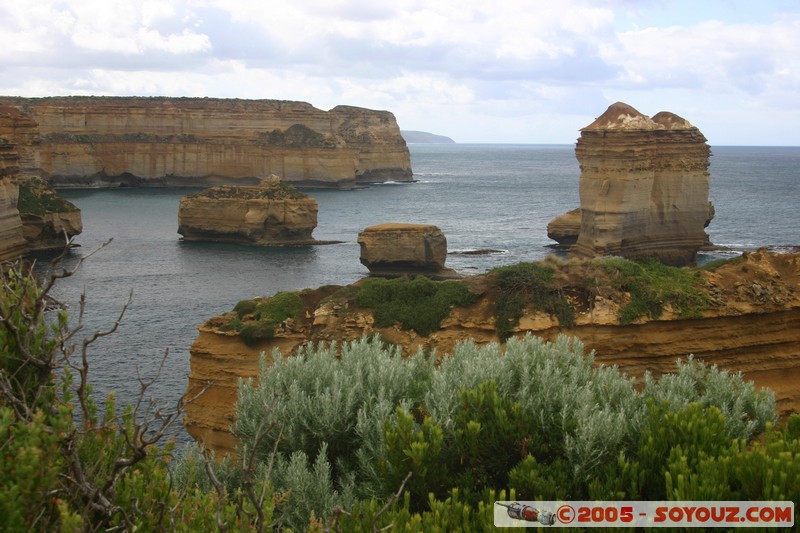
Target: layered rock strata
x=643 y=187
x=201 y=142
x=564 y=229
x=272 y=213
x=752 y=326
x=395 y=249
x=12 y=242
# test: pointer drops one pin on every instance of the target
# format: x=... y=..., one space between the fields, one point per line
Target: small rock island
x=272 y=213
x=397 y=249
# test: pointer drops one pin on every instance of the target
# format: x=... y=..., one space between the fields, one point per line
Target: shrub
x=419 y=303
x=264 y=316
x=253 y=332
x=64 y=465
x=653 y=284
x=279 y=307
x=536 y=416
x=527 y=284
x=244 y=307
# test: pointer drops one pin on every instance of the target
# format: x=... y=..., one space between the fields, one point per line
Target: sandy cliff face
x=752 y=326
x=12 y=242
x=643 y=187
x=269 y=214
x=198 y=142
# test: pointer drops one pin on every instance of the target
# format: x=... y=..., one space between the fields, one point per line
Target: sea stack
x=643 y=187
x=396 y=249
x=272 y=213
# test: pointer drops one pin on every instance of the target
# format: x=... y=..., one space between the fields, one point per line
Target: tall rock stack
x=643 y=187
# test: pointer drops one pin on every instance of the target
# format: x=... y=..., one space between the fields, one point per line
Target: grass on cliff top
x=558 y=287
x=523 y=284
x=278 y=191
x=418 y=303
x=652 y=285
x=256 y=319
x=37 y=197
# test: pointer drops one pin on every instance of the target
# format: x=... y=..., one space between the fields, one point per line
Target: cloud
x=473 y=64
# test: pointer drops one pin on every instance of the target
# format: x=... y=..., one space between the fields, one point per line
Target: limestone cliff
x=272 y=213
x=199 y=142
x=643 y=187
x=751 y=323
x=12 y=243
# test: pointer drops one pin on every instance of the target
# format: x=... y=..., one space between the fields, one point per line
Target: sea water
x=497 y=197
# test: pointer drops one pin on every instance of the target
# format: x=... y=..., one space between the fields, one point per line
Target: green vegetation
x=297 y=135
x=36 y=197
x=357 y=438
x=342 y=427
x=255 y=320
x=416 y=303
x=652 y=285
x=526 y=284
x=67 y=465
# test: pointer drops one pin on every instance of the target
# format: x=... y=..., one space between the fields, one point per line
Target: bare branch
x=389 y=503
x=218 y=487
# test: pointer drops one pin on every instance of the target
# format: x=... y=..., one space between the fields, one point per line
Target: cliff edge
x=743 y=316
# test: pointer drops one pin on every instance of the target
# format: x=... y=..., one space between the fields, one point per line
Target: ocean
x=497 y=197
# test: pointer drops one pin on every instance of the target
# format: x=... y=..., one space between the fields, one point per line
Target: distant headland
x=423 y=137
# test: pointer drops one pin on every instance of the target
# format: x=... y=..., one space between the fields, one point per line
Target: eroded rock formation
x=200 y=142
x=643 y=187
x=31 y=210
x=394 y=249
x=564 y=229
x=48 y=220
x=272 y=213
x=752 y=326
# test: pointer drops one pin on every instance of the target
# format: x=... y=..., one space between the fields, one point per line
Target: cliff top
x=271 y=188
x=621 y=116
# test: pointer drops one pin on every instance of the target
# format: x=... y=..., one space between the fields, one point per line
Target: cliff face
x=752 y=326
x=199 y=142
x=269 y=214
x=643 y=187
x=12 y=243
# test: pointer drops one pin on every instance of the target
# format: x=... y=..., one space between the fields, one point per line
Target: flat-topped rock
x=396 y=248
x=272 y=213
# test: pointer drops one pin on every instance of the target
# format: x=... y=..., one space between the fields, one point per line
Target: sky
x=478 y=71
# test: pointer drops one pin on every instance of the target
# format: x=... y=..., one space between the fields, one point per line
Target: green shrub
x=265 y=316
x=279 y=307
x=527 y=284
x=253 y=332
x=65 y=466
x=653 y=284
x=746 y=410
x=536 y=416
x=245 y=307
x=419 y=303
